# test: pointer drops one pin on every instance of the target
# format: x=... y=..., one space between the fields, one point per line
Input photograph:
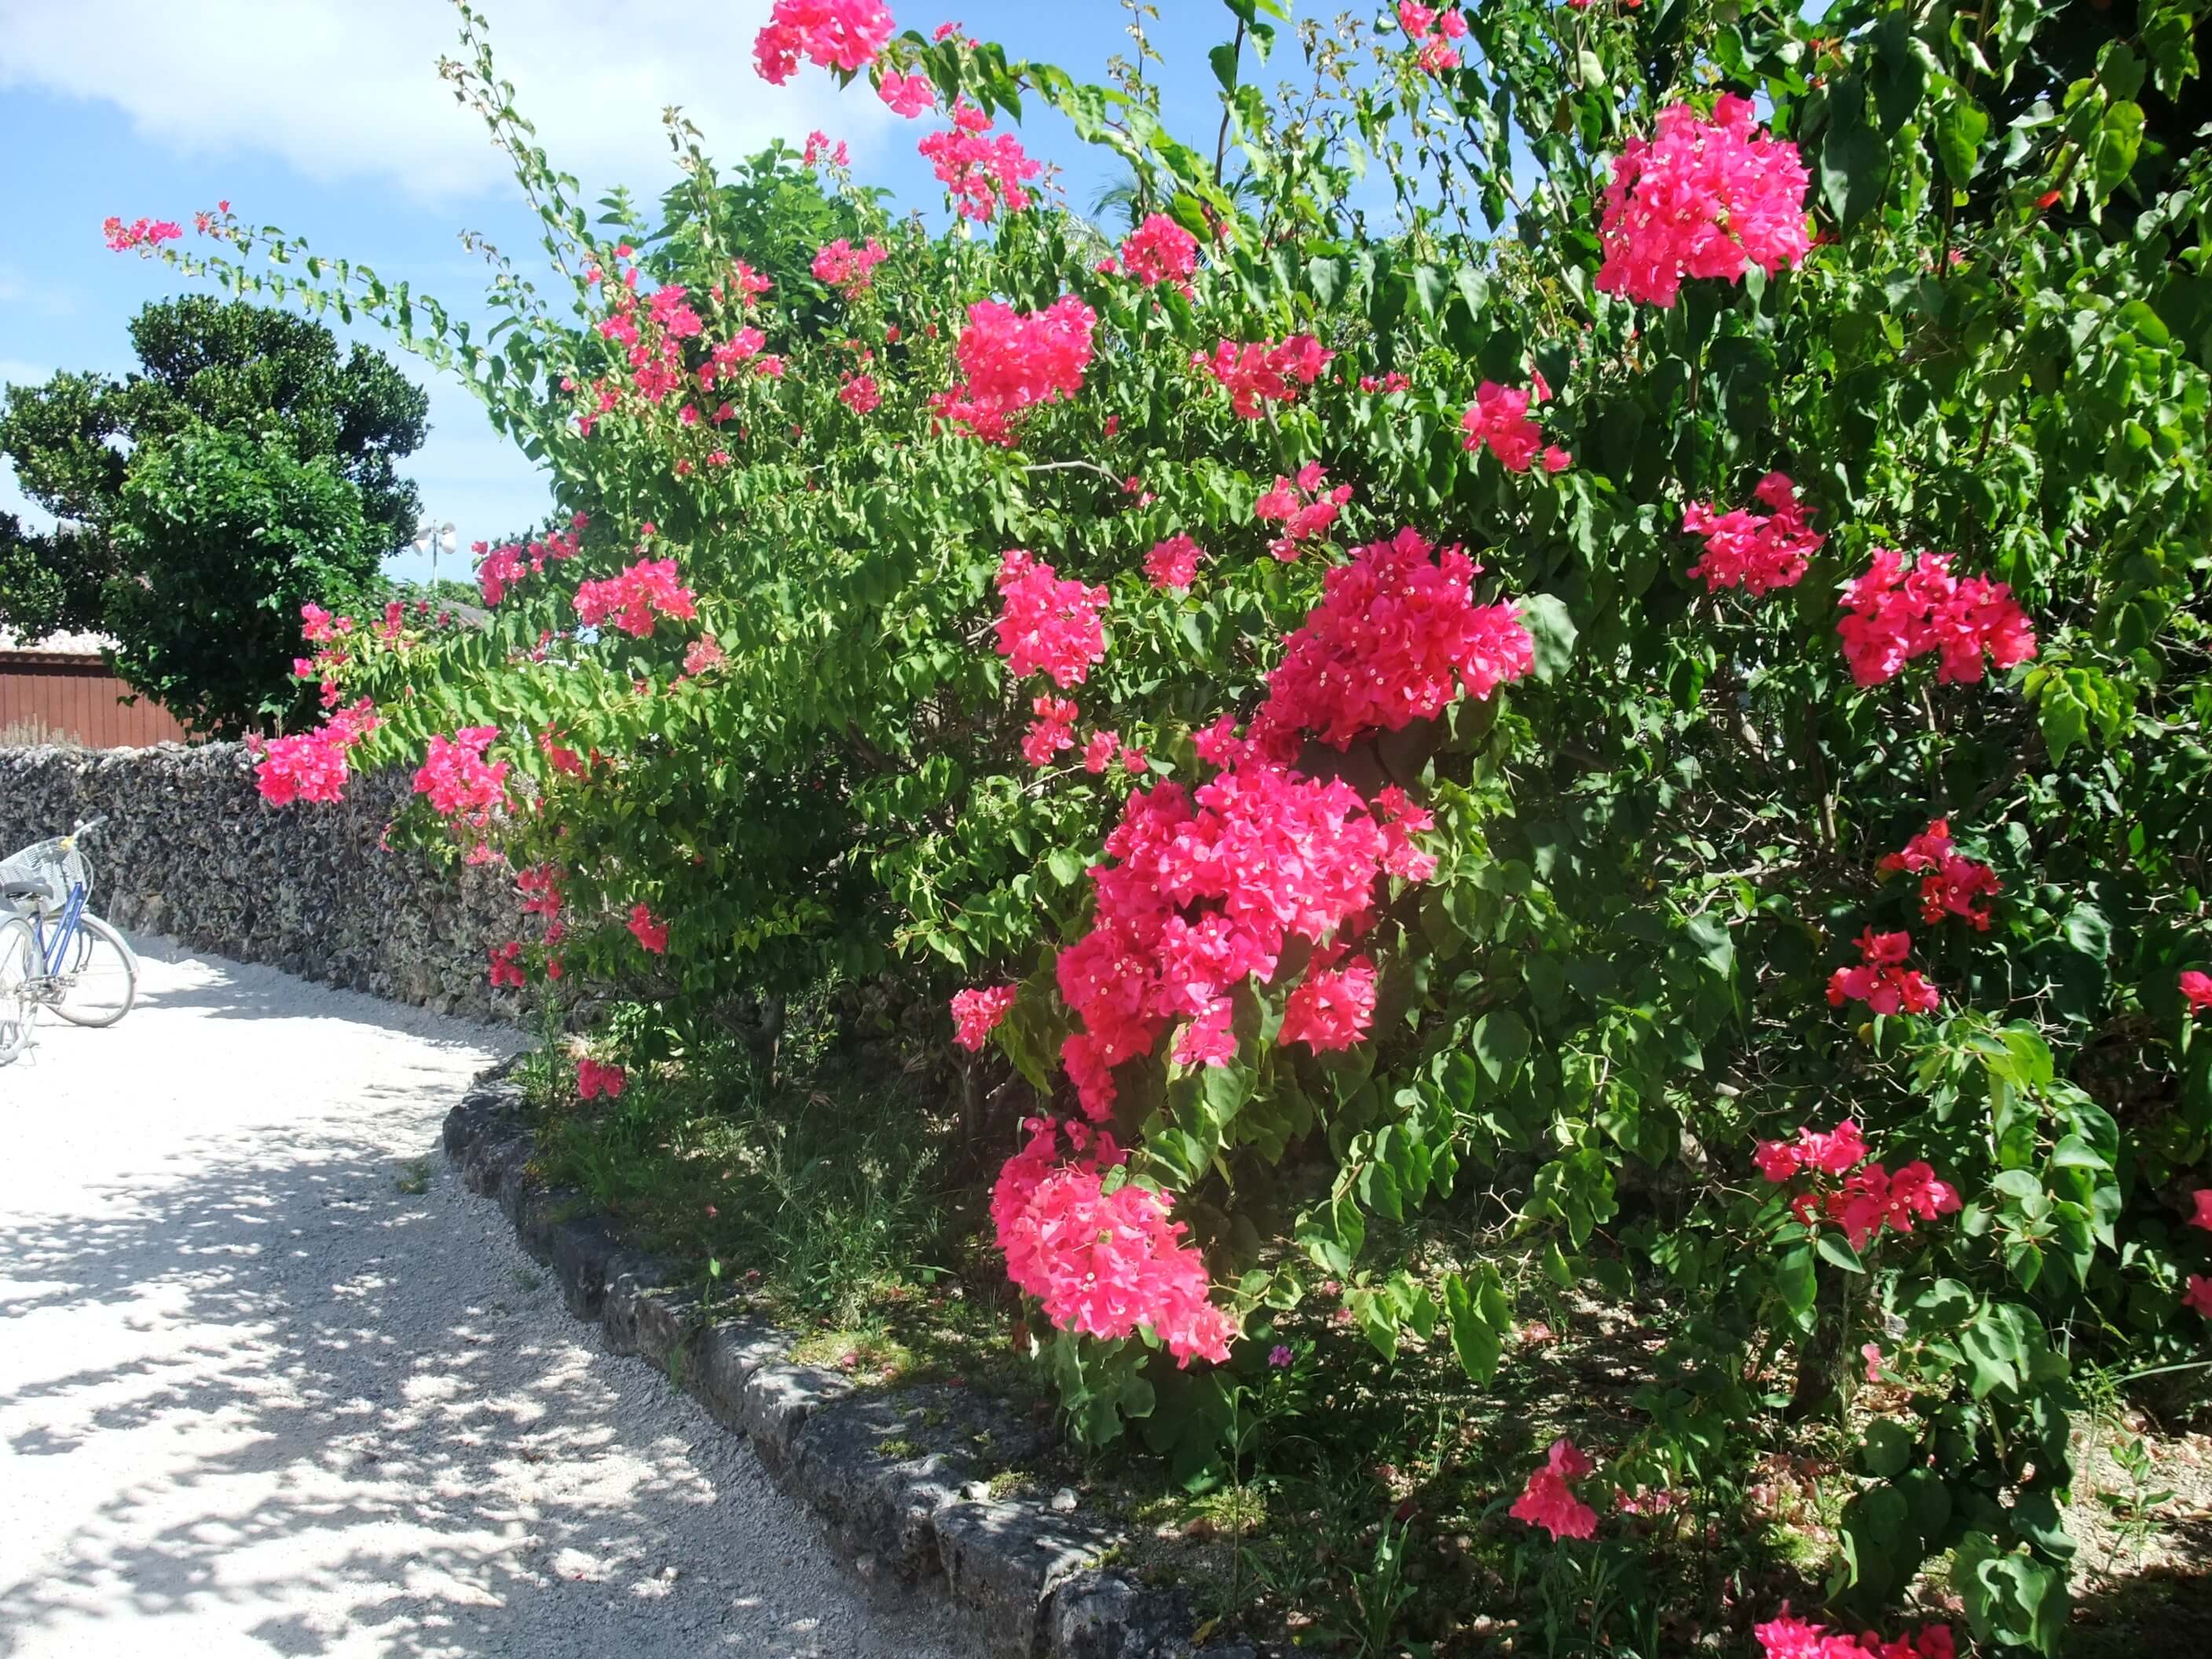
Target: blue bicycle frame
x=64 y=931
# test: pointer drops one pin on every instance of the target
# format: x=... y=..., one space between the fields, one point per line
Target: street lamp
x=433 y=539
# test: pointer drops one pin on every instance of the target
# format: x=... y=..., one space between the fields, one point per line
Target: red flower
x=1548 y=1501
x=1894 y=615
x=976 y=1014
x=651 y=934
x=1949 y=883
x=1756 y=552
x=1048 y=625
x=2196 y=989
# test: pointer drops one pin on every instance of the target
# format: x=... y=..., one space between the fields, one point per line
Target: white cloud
x=348 y=89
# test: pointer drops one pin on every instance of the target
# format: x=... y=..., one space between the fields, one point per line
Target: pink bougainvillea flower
x=1882 y=981
x=507 y=966
x=1499 y=418
x=1051 y=731
x=2197 y=990
x=1832 y=1151
x=1547 y=1501
x=1173 y=563
x=1871 y=1353
x=1872 y=1198
x=139 y=233
x=845 y=34
x=596 y=1078
x=1385 y=385
x=1302 y=506
x=2202 y=1199
x=633 y=600
x=1013 y=362
x=980 y=171
x=1160 y=250
x=1759 y=552
x=1263 y=371
x=1786 y=1637
x=1396 y=637
x=1332 y=1009
x=313 y=765
x=1047 y=625
x=1949 y=883
x=1701 y=198
x=1895 y=613
x=460 y=783
x=2197 y=1296
x=1104 y=1264
x=908 y=95
x=860 y=393
x=977 y=1013
x=650 y=933
x=848 y=269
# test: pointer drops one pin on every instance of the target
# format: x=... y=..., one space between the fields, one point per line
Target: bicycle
x=54 y=952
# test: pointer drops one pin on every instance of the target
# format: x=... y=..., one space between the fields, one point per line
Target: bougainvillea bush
x=1593 y=614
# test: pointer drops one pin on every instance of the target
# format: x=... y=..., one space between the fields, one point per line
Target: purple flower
x=1279 y=1356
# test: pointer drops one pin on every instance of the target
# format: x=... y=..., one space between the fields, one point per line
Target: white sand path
x=256 y=1397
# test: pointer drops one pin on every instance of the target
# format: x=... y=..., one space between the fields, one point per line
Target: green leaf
x=1960 y=130
x=1836 y=1248
x=2113 y=149
x=1886 y=1447
x=1475 y=1343
x=1501 y=1043
x=1794 y=1280
x=1854 y=161
x=1224 y=59
x=1551 y=633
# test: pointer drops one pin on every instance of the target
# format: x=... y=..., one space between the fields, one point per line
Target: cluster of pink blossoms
x=1262 y=372
x=1547 y=1501
x=139 y=233
x=977 y=1013
x=649 y=932
x=1429 y=32
x=844 y=34
x=1160 y=250
x=2197 y=990
x=1051 y=730
x=908 y=95
x=1397 y=636
x=1210 y=887
x=1870 y=1197
x=312 y=765
x=860 y=393
x=499 y=568
x=1880 y=979
x=1703 y=198
x=1785 y=1636
x=636 y=598
x=507 y=966
x=1047 y=625
x=595 y=1077
x=1498 y=417
x=1949 y=883
x=1386 y=384
x=979 y=171
x=1103 y=1263
x=1758 y=552
x=1173 y=562
x=460 y=783
x=848 y=269
x=1893 y=614
x=1013 y=361
x=1302 y=506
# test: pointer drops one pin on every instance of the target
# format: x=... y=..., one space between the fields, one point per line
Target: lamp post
x=433 y=539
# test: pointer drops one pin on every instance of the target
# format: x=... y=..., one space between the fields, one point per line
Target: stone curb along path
x=894 y=1476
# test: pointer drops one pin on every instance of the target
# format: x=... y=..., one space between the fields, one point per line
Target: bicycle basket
x=49 y=868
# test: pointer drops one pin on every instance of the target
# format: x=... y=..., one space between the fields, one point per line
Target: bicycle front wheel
x=20 y=965
x=98 y=981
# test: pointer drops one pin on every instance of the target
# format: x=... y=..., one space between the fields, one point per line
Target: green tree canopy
x=325 y=423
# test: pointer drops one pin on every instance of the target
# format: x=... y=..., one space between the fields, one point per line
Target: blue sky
x=327 y=117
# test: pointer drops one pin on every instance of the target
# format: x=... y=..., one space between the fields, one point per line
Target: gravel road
x=272 y=1382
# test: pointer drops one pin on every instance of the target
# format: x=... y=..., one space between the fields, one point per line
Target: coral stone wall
x=190 y=851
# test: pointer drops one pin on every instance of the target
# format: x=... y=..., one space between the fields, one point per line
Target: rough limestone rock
x=191 y=850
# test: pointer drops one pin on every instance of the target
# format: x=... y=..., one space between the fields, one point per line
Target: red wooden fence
x=70 y=697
